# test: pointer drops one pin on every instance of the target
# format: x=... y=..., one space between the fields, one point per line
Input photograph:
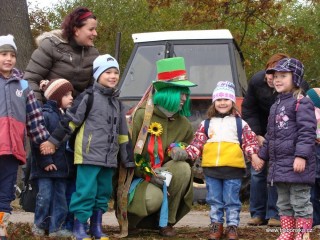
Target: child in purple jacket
x=290 y=147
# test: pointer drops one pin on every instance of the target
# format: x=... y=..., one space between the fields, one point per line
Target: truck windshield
x=206 y=65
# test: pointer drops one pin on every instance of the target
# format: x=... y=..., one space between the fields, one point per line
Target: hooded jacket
x=55 y=57
x=103 y=133
x=291 y=133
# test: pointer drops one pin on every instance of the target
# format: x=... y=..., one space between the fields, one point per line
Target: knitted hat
x=103 y=63
x=224 y=90
x=56 y=89
x=314 y=95
x=289 y=65
x=172 y=72
x=7 y=44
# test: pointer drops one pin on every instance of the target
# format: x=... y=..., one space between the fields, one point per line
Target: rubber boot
x=287 y=228
x=303 y=228
x=79 y=231
x=96 y=226
x=216 y=231
x=4 y=220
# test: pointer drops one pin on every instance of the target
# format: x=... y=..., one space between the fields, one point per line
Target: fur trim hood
x=54 y=34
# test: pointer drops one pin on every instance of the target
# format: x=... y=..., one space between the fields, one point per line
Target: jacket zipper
x=274 y=151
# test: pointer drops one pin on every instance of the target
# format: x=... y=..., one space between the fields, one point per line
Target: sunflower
x=155 y=129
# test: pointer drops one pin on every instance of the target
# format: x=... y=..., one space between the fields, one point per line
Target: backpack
x=77 y=101
x=239 y=128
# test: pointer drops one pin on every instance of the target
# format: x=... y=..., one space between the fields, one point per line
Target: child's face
x=67 y=100
x=7 y=62
x=283 y=82
x=223 y=105
x=109 y=78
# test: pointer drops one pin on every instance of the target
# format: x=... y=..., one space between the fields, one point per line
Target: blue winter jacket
x=291 y=133
x=52 y=116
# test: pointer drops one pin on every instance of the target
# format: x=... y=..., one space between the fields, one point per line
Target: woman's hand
x=50 y=167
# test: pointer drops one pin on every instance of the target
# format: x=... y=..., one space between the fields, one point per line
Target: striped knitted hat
x=56 y=89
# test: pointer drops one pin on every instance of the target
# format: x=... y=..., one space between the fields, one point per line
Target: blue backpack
x=239 y=128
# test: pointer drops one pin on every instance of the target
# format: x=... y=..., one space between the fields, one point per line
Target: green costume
x=175 y=129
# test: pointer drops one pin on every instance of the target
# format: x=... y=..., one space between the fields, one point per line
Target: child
x=314 y=95
x=222 y=158
x=52 y=171
x=102 y=136
x=20 y=113
x=289 y=147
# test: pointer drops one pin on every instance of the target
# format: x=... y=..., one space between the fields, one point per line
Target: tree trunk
x=14 y=19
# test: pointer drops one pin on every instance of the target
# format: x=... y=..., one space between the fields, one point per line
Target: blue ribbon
x=164 y=212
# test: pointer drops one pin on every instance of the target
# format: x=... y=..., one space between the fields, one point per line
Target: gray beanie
x=7 y=44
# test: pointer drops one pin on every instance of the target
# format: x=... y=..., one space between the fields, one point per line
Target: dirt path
x=192 y=219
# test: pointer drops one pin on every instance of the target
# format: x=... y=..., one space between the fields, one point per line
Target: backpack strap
x=23 y=84
x=206 y=127
x=239 y=129
x=89 y=92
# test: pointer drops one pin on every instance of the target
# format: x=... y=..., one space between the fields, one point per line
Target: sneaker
x=232 y=233
x=61 y=233
x=37 y=231
x=257 y=221
x=274 y=222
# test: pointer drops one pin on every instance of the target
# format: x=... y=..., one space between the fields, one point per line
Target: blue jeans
x=315 y=200
x=223 y=195
x=263 y=198
x=51 y=206
x=8 y=177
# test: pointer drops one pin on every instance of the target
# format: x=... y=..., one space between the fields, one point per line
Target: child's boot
x=287 y=228
x=96 y=226
x=79 y=231
x=4 y=220
x=216 y=231
x=232 y=233
x=303 y=228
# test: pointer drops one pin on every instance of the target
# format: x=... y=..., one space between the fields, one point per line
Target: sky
x=41 y=3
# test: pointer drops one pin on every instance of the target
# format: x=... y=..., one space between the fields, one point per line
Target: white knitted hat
x=224 y=90
x=7 y=43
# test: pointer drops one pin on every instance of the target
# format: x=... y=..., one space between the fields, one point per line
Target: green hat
x=172 y=72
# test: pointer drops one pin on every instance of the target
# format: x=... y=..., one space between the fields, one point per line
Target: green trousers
x=93 y=191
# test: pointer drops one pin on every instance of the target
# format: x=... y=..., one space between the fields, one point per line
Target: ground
x=23 y=232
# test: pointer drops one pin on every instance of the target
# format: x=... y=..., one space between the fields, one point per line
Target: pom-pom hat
x=103 y=63
x=224 y=90
x=171 y=72
x=289 y=65
x=56 y=89
x=7 y=44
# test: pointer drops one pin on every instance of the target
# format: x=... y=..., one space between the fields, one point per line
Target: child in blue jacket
x=52 y=171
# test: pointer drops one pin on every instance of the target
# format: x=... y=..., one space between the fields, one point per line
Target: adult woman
x=65 y=53
x=151 y=204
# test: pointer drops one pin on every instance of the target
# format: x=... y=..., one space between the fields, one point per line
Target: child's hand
x=50 y=167
x=47 y=148
x=299 y=164
x=256 y=162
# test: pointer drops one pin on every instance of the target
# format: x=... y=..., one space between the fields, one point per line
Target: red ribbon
x=170 y=75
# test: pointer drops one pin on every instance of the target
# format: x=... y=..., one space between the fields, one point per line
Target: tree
x=15 y=21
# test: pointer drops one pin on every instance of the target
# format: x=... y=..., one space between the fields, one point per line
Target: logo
x=19 y=93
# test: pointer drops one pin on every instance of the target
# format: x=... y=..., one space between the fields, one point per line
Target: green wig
x=169 y=99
